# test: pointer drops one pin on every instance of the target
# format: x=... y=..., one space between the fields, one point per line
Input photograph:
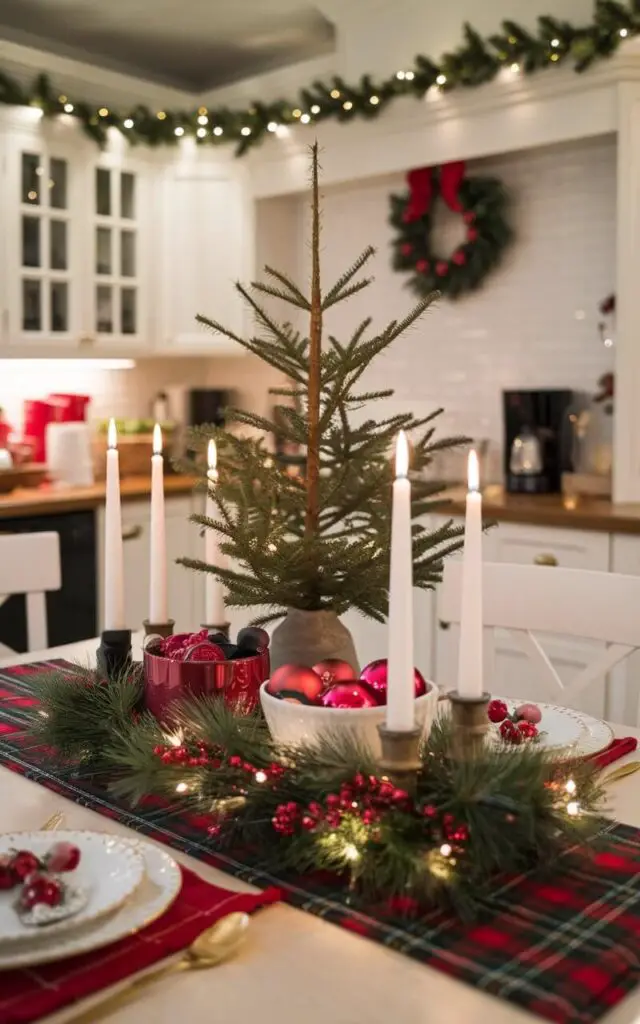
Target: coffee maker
x=536 y=453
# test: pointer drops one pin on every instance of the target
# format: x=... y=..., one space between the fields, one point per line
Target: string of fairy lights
x=476 y=61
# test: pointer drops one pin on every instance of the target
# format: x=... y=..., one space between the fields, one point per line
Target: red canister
x=167 y=681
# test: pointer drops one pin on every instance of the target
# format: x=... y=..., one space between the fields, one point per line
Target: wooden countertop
x=49 y=500
x=550 y=510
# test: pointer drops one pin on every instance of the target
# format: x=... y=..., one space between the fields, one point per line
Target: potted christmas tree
x=306 y=547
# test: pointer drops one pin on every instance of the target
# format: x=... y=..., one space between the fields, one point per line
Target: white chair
x=30 y=565
x=528 y=599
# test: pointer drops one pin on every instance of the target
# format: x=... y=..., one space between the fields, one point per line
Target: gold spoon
x=621 y=773
x=210 y=948
x=52 y=823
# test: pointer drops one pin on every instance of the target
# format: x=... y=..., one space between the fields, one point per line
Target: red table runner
x=566 y=947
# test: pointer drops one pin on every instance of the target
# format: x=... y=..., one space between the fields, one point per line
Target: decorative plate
x=159 y=887
x=566 y=732
x=109 y=872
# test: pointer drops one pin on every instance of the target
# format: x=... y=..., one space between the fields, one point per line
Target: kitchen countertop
x=49 y=500
x=549 y=510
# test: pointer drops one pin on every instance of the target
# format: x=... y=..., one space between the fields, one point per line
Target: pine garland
x=325 y=806
x=477 y=60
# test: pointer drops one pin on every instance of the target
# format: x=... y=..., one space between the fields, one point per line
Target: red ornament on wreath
x=375 y=675
x=290 y=681
x=479 y=201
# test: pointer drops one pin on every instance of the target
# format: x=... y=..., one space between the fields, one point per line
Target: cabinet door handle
x=132 y=532
x=545 y=559
x=443 y=625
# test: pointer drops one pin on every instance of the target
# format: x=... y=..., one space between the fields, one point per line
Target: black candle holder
x=114 y=652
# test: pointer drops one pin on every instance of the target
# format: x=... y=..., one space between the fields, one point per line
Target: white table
x=295 y=968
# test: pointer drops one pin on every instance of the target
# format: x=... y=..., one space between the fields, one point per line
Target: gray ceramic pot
x=304 y=638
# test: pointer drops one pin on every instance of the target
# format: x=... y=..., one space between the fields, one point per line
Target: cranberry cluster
x=518 y=727
x=196 y=755
x=36 y=875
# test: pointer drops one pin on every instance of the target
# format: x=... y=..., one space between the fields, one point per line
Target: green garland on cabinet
x=476 y=61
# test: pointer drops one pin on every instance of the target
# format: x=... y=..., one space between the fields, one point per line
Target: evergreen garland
x=476 y=61
x=325 y=806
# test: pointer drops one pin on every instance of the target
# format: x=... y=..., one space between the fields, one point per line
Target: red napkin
x=28 y=995
x=617 y=748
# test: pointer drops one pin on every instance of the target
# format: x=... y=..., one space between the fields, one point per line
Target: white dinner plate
x=109 y=872
x=159 y=887
x=567 y=733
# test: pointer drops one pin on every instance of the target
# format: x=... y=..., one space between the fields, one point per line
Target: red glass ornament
x=7 y=877
x=294 y=680
x=510 y=732
x=406 y=249
x=333 y=670
x=472 y=234
x=459 y=257
x=469 y=217
x=423 y=266
x=442 y=268
x=529 y=712
x=375 y=676
x=63 y=857
x=41 y=889
x=497 y=711
x=24 y=863
x=354 y=694
x=204 y=651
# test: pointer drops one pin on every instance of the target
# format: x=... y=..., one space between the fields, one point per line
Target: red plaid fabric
x=566 y=947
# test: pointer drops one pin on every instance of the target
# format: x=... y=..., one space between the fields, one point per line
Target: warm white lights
x=272 y=126
x=573 y=808
x=245 y=131
x=347 y=105
x=218 y=130
x=400 y=75
x=112 y=435
x=555 y=43
x=624 y=32
x=351 y=852
x=570 y=786
x=305 y=119
x=409 y=75
x=203 y=119
x=201 y=132
x=260 y=776
x=128 y=122
x=178 y=131
x=441 y=80
x=515 y=68
x=335 y=94
x=181 y=787
x=374 y=100
x=445 y=850
x=175 y=739
x=315 y=109
x=68 y=108
x=157 y=440
x=103 y=112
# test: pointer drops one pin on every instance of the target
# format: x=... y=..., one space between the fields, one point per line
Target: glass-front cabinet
x=116 y=253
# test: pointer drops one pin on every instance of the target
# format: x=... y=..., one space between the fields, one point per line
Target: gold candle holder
x=159 y=628
x=400 y=756
x=470 y=725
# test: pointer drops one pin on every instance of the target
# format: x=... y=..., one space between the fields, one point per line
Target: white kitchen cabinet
x=511 y=674
x=208 y=231
x=625 y=678
x=135 y=532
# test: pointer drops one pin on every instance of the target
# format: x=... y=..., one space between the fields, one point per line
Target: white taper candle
x=400 y=687
x=158 y=572
x=113 y=551
x=470 y=666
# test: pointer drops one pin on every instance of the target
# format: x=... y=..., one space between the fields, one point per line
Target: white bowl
x=303 y=723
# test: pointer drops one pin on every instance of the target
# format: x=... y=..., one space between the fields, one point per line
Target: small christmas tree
x=319 y=540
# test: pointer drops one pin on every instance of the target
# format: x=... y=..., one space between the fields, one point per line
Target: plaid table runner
x=566 y=949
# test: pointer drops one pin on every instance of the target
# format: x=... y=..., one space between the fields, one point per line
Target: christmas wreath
x=481 y=201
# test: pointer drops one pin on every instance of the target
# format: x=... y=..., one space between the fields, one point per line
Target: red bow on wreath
x=420 y=182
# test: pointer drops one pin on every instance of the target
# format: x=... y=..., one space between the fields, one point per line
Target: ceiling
x=194 y=45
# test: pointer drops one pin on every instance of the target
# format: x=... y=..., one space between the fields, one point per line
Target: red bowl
x=238 y=681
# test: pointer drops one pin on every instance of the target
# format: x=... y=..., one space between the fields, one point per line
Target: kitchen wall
x=533 y=324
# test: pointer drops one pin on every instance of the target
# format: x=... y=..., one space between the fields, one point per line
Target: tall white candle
x=215 y=614
x=113 y=553
x=158 y=574
x=400 y=687
x=470 y=668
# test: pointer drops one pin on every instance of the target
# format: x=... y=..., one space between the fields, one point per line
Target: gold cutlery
x=52 y=823
x=621 y=773
x=210 y=948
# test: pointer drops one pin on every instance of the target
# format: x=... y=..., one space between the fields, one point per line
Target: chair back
x=530 y=599
x=30 y=565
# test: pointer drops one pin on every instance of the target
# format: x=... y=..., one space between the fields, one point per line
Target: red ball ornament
x=497 y=711
x=459 y=257
x=406 y=249
x=375 y=676
x=63 y=857
x=24 y=863
x=352 y=695
x=294 y=681
x=333 y=670
x=469 y=217
x=204 y=650
x=423 y=266
x=7 y=877
x=41 y=889
x=472 y=234
x=510 y=732
x=442 y=268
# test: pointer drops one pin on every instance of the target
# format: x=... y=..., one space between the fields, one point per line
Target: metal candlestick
x=163 y=629
x=223 y=627
x=470 y=725
x=400 y=756
x=114 y=652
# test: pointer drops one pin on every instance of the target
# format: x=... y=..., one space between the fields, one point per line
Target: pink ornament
x=333 y=670
x=375 y=676
x=353 y=694
x=63 y=857
x=294 y=680
x=529 y=712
